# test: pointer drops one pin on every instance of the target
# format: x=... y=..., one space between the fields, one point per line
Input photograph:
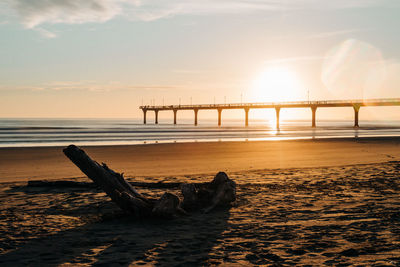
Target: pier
x=313 y=105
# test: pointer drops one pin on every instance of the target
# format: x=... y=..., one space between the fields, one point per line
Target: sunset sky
x=102 y=58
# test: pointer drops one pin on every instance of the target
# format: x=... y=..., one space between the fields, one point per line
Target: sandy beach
x=23 y=164
x=316 y=202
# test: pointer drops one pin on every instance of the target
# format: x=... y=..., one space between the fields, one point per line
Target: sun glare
x=276 y=84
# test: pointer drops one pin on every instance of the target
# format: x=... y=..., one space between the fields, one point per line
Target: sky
x=105 y=58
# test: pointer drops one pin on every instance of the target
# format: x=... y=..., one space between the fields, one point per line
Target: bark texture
x=220 y=192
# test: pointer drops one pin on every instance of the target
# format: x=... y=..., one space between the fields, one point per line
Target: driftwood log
x=220 y=192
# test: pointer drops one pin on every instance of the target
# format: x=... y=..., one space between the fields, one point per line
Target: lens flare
x=354 y=69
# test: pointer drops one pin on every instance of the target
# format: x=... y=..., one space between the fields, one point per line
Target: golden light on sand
x=276 y=84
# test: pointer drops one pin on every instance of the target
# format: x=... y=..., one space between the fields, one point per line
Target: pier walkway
x=313 y=105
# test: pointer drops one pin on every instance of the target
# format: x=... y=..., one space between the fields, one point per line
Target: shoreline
x=157 y=143
x=211 y=140
x=34 y=163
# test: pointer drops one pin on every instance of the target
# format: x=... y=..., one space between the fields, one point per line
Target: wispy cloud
x=188 y=71
x=91 y=86
x=45 y=33
x=294 y=59
x=113 y=86
x=36 y=12
x=101 y=87
x=323 y=35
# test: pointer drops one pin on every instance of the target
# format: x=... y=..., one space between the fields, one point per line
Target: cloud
x=117 y=86
x=294 y=59
x=149 y=10
x=322 y=35
x=91 y=86
x=36 y=12
x=100 y=87
x=188 y=71
x=45 y=33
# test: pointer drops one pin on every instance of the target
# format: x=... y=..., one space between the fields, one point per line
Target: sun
x=277 y=84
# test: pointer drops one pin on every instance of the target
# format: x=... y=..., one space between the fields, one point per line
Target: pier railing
x=356 y=104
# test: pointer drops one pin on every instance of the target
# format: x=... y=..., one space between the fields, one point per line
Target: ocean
x=61 y=132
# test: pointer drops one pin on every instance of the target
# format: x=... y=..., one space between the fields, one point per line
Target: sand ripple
x=318 y=216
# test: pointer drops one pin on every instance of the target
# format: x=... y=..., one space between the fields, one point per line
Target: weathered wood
x=224 y=191
x=219 y=192
x=168 y=206
x=113 y=183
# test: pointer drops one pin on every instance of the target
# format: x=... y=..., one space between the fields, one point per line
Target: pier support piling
x=313 y=105
x=314 y=111
x=144 y=116
x=175 y=111
x=156 y=116
x=195 y=116
x=246 y=110
x=356 y=111
x=277 y=110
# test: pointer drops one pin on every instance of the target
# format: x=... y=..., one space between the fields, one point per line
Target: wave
x=43 y=132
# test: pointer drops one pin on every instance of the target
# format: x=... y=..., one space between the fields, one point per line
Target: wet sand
x=312 y=209
x=22 y=164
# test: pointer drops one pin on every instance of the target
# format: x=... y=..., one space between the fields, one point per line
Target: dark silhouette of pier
x=313 y=105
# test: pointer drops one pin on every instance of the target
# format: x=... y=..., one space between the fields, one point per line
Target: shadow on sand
x=124 y=241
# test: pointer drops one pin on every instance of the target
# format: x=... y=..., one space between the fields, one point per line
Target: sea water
x=60 y=132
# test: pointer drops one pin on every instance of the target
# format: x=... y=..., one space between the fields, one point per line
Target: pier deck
x=313 y=105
